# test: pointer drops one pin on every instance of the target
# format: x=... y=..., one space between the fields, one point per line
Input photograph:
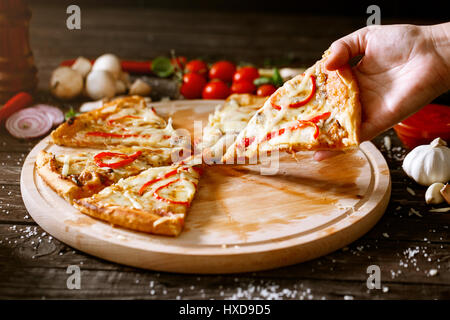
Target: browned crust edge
x=66 y=189
x=129 y=218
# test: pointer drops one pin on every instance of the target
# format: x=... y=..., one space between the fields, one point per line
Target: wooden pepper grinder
x=17 y=69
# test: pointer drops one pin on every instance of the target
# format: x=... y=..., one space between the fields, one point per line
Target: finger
x=344 y=49
x=322 y=155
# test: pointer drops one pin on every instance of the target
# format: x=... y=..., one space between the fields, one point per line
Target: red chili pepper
x=300 y=124
x=17 y=102
x=139 y=67
x=167 y=175
x=127 y=159
x=158 y=197
x=302 y=102
x=116 y=135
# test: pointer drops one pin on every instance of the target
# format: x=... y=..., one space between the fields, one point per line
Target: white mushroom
x=433 y=194
x=108 y=62
x=82 y=65
x=140 y=87
x=100 y=84
x=66 y=83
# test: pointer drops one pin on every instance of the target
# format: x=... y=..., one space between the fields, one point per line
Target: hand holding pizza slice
x=318 y=110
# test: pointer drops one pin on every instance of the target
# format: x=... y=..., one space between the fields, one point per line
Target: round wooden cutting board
x=242 y=218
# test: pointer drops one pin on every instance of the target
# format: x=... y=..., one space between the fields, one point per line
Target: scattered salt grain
x=385 y=235
x=432 y=272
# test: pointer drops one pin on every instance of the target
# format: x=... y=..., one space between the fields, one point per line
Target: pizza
x=318 y=110
x=226 y=123
x=124 y=121
x=75 y=176
x=154 y=201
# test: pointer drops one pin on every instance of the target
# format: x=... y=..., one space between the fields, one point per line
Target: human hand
x=403 y=68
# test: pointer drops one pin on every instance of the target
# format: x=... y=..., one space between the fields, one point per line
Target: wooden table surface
x=405 y=245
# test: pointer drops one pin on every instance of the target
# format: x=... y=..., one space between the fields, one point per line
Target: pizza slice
x=155 y=201
x=124 y=121
x=318 y=110
x=226 y=123
x=84 y=174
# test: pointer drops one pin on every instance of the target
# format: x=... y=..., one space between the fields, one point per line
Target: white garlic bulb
x=429 y=163
x=433 y=194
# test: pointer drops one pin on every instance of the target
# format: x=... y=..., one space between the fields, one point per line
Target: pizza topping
x=65 y=168
x=116 y=135
x=135 y=203
x=127 y=159
x=300 y=123
x=301 y=102
x=157 y=196
x=111 y=122
x=165 y=176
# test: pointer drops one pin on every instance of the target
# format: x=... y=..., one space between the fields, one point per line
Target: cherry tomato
x=222 y=70
x=192 y=86
x=243 y=87
x=246 y=74
x=179 y=62
x=197 y=66
x=266 y=90
x=216 y=89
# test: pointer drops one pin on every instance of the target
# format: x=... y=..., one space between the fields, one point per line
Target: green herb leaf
x=70 y=114
x=276 y=78
x=262 y=80
x=162 y=67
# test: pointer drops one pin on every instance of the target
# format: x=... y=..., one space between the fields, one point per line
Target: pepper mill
x=17 y=69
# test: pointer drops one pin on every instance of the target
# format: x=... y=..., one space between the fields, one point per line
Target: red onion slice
x=28 y=123
x=54 y=113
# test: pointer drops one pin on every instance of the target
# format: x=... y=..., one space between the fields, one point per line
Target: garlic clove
x=433 y=194
x=445 y=192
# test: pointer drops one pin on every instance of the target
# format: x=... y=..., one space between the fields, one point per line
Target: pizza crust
x=130 y=218
x=65 y=188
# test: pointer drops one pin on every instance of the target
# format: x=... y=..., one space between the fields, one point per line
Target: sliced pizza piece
x=125 y=121
x=319 y=110
x=226 y=123
x=155 y=201
x=84 y=174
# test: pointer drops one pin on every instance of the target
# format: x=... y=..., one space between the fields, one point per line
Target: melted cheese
x=66 y=165
x=126 y=191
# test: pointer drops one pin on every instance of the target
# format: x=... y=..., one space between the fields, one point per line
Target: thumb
x=344 y=49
